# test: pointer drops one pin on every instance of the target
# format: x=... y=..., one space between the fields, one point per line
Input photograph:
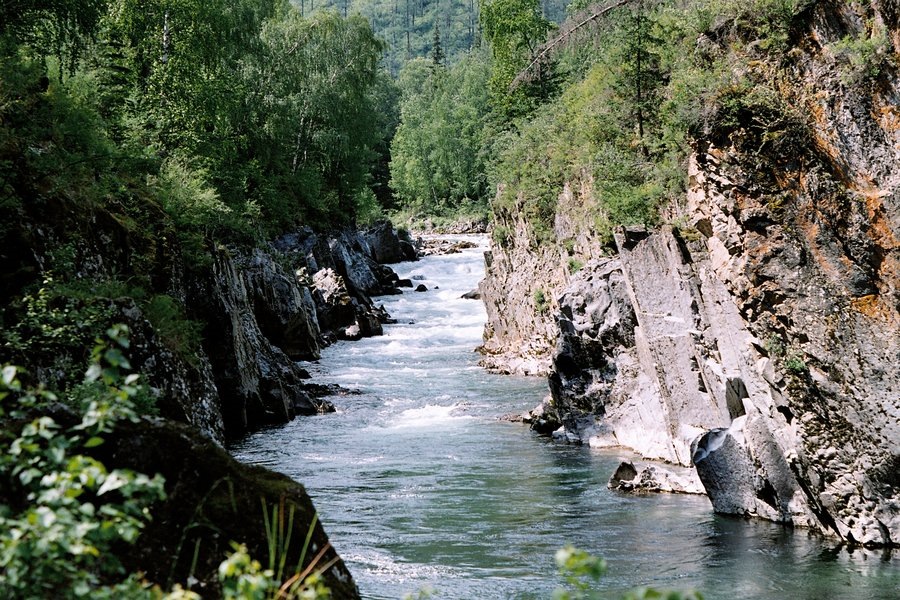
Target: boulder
x=334 y=305
x=387 y=245
x=211 y=501
x=421 y=288
x=654 y=478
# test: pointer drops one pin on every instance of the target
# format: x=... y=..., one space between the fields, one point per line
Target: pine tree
x=437 y=51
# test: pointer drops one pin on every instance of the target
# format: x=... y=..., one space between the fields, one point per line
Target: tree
x=515 y=29
x=437 y=52
x=437 y=159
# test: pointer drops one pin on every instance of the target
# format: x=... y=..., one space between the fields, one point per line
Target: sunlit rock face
x=759 y=339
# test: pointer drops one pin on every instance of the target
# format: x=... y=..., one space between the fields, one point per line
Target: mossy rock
x=212 y=500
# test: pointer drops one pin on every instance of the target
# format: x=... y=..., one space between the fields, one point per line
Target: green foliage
x=862 y=57
x=180 y=334
x=775 y=345
x=65 y=513
x=541 y=303
x=57 y=325
x=794 y=363
x=186 y=194
x=582 y=572
x=500 y=235
x=437 y=159
x=579 y=569
x=244 y=578
x=60 y=541
x=515 y=29
x=408 y=27
x=639 y=88
x=575 y=265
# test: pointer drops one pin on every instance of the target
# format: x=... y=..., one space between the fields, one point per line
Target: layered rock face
x=760 y=340
x=523 y=279
x=265 y=310
x=260 y=310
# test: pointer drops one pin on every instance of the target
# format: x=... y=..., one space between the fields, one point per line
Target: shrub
x=862 y=57
x=180 y=334
x=541 y=304
x=61 y=540
x=575 y=265
x=794 y=363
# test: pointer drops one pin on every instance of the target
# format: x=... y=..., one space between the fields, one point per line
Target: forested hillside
x=411 y=28
x=149 y=153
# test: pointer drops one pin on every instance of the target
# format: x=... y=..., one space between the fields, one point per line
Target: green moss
x=575 y=265
x=180 y=334
x=541 y=303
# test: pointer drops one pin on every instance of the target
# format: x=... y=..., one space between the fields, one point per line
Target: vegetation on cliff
x=136 y=136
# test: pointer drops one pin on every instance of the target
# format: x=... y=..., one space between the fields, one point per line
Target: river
x=419 y=485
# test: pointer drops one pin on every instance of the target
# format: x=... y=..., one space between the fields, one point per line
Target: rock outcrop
x=211 y=501
x=268 y=308
x=258 y=383
x=260 y=310
x=523 y=279
x=760 y=339
x=389 y=245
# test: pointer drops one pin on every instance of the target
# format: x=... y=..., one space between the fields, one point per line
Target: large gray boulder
x=388 y=245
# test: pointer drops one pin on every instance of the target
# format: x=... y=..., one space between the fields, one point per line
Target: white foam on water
x=385 y=568
x=429 y=416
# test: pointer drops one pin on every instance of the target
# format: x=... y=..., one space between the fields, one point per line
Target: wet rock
x=323 y=390
x=654 y=478
x=405 y=283
x=284 y=310
x=335 y=306
x=421 y=288
x=257 y=382
x=442 y=246
x=211 y=501
x=351 y=333
x=387 y=246
x=473 y=295
x=183 y=386
x=542 y=420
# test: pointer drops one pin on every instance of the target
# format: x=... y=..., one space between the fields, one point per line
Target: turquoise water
x=420 y=485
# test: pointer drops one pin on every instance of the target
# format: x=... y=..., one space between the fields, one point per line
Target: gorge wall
x=222 y=354
x=758 y=336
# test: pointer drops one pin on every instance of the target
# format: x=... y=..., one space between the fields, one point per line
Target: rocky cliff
x=759 y=338
x=523 y=279
x=217 y=341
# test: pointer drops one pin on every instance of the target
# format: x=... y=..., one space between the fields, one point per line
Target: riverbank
x=422 y=484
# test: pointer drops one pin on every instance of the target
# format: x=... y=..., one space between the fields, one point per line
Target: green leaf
x=9 y=375
x=93 y=442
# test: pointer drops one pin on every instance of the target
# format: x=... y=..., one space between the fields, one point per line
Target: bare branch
x=568 y=28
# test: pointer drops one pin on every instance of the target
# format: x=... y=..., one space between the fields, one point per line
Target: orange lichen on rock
x=874 y=307
x=887 y=116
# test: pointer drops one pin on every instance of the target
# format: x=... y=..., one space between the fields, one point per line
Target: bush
x=541 y=304
x=181 y=335
x=862 y=57
x=60 y=542
x=575 y=265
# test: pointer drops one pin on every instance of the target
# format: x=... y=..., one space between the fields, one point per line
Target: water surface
x=420 y=485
